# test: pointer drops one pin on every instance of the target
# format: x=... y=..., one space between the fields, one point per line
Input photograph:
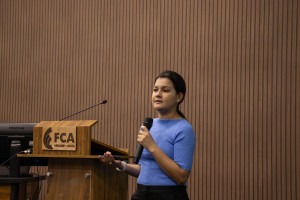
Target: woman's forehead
x=160 y=82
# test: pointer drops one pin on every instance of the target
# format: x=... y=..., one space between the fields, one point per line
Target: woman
x=167 y=158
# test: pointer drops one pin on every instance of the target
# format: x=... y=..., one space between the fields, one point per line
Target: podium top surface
x=98 y=147
x=77 y=123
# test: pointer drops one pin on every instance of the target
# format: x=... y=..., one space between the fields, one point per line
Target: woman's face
x=164 y=96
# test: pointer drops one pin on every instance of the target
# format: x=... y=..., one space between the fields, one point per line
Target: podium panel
x=69 y=179
x=83 y=136
x=84 y=178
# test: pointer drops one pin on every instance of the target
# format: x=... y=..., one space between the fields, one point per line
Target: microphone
x=102 y=102
x=148 y=123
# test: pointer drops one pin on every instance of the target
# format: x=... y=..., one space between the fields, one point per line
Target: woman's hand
x=145 y=139
x=106 y=158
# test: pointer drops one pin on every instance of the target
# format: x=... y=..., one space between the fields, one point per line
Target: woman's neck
x=173 y=115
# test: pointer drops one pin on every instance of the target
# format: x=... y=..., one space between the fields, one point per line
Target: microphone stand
x=102 y=102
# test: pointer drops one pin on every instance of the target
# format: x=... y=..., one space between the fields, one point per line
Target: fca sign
x=64 y=138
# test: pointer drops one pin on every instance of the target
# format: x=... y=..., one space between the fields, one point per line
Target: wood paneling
x=5 y=191
x=240 y=60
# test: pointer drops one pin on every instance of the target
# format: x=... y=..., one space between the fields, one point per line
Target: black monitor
x=15 y=138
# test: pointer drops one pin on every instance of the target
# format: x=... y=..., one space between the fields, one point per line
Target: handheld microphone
x=102 y=102
x=148 y=123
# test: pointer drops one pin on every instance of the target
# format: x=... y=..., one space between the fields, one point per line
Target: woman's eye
x=162 y=90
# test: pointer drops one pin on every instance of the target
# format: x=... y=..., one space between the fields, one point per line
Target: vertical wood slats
x=240 y=60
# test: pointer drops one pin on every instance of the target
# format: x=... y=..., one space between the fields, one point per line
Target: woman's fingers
x=106 y=158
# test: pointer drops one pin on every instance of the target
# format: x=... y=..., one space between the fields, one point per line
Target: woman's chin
x=161 y=111
x=158 y=108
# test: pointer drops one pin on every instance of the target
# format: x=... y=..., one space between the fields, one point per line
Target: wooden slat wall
x=240 y=60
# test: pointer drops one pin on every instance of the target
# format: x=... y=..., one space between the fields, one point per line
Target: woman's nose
x=158 y=93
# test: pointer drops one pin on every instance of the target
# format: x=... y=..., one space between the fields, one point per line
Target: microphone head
x=148 y=122
x=104 y=102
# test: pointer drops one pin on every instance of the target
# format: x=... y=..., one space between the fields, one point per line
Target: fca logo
x=58 y=138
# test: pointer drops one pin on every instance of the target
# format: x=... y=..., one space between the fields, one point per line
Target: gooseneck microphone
x=102 y=102
x=148 y=123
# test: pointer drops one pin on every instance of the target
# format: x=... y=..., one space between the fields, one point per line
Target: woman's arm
x=170 y=167
x=131 y=169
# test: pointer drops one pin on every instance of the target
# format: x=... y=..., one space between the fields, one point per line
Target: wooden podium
x=74 y=170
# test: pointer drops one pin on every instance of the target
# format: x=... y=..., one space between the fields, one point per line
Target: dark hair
x=179 y=85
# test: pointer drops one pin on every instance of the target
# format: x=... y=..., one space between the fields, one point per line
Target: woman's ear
x=179 y=97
